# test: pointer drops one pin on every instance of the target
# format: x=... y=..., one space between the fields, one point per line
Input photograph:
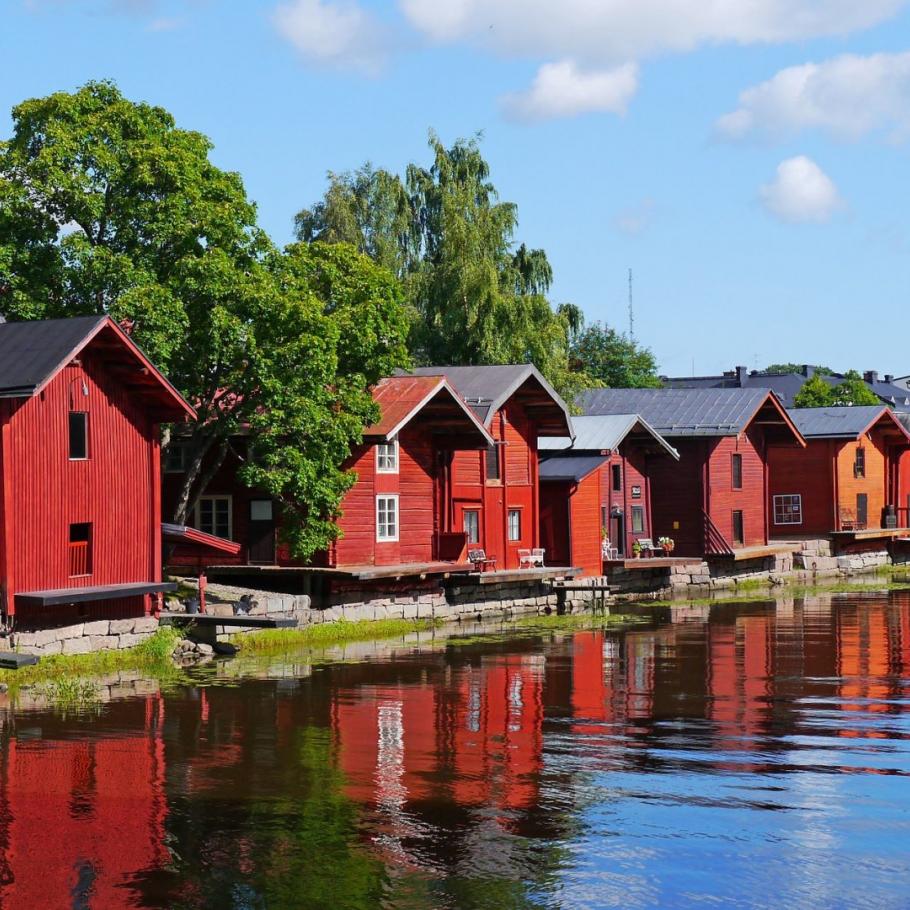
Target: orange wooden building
x=598 y=487
x=847 y=479
x=714 y=501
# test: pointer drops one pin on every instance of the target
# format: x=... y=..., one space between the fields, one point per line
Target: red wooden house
x=80 y=514
x=846 y=478
x=599 y=485
x=395 y=514
x=714 y=501
x=494 y=495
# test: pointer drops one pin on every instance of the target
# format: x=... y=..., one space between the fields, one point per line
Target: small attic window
x=78 y=435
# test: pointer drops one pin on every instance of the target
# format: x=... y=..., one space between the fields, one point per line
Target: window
x=260 y=510
x=862 y=509
x=175 y=458
x=859 y=462
x=604 y=519
x=471 y=519
x=78 y=427
x=387 y=457
x=739 y=535
x=213 y=516
x=737 y=469
x=514 y=524
x=788 y=509
x=636 y=491
x=387 y=518
x=493 y=463
x=80 y=549
x=638 y=520
x=616 y=471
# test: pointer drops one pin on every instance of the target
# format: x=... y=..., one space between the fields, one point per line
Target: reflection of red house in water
x=81 y=819
x=400 y=745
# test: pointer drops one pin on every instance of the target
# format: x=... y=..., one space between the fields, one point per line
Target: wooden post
x=202 y=584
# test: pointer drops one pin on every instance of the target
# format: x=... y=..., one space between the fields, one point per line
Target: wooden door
x=862 y=510
x=618 y=534
x=262 y=531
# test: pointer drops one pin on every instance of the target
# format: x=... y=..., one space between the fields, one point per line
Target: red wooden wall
x=585 y=519
x=808 y=472
x=116 y=489
x=516 y=488
x=723 y=499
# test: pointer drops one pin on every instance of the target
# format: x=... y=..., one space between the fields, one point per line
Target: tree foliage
x=850 y=391
x=475 y=297
x=796 y=368
x=107 y=207
x=614 y=359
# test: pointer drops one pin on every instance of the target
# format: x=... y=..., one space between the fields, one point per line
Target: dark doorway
x=262 y=531
x=862 y=509
x=618 y=533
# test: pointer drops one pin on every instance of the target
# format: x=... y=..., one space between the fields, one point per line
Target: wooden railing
x=715 y=542
x=80 y=558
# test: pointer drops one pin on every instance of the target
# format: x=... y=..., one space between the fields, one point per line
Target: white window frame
x=382 y=531
x=517 y=513
x=230 y=514
x=383 y=449
x=464 y=525
x=782 y=496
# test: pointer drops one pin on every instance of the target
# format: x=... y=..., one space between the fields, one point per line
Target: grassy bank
x=152 y=656
x=324 y=635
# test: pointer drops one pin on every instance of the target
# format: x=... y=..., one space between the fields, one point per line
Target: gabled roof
x=33 y=352
x=842 y=423
x=487 y=388
x=686 y=412
x=573 y=468
x=402 y=398
x=604 y=433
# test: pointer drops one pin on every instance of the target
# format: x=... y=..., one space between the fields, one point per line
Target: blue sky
x=748 y=160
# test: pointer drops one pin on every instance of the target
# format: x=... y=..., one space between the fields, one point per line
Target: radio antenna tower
x=631 y=311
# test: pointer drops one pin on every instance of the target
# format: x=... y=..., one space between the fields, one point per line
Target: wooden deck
x=741 y=554
x=507 y=576
x=872 y=534
x=649 y=562
x=399 y=571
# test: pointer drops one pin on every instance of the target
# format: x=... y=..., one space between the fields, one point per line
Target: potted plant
x=666 y=544
x=636 y=550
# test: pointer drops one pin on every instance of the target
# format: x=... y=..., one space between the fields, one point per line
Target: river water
x=748 y=756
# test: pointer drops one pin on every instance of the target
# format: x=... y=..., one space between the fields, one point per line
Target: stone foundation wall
x=97 y=635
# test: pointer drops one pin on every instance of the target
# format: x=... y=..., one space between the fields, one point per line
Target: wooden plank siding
x=808 y=473
x=585 y=502
x=723 y=499
x=677 y=498
x=873 y=484
x=115 y=490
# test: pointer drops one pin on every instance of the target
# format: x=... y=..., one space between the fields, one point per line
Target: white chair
x=608 y=551
x=537 y=555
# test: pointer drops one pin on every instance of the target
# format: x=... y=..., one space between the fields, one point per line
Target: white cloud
x=847 y=96
x=636 y=218
x=562 y=90
x=333 y=34
x=603 y=32
x=801 y=192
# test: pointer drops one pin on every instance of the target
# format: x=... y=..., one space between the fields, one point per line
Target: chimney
x=808 y=370
x=742 y=374
x=889 y=377
x=871 y=376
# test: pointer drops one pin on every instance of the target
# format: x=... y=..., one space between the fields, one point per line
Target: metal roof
x=32 y=352
x=843 y=422
x=487 y=388
x=569 y=467
x=599 y=433
x=401 y=398
x=680 y=412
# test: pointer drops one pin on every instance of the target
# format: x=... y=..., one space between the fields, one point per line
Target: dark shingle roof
x=569 y=467
x=831 y=423
x=32 y=352
x=680 y=412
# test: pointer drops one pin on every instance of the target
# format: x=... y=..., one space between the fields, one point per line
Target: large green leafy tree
x=850 y=391
x=107 y=207
x=614 y=359
x=475 y=297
